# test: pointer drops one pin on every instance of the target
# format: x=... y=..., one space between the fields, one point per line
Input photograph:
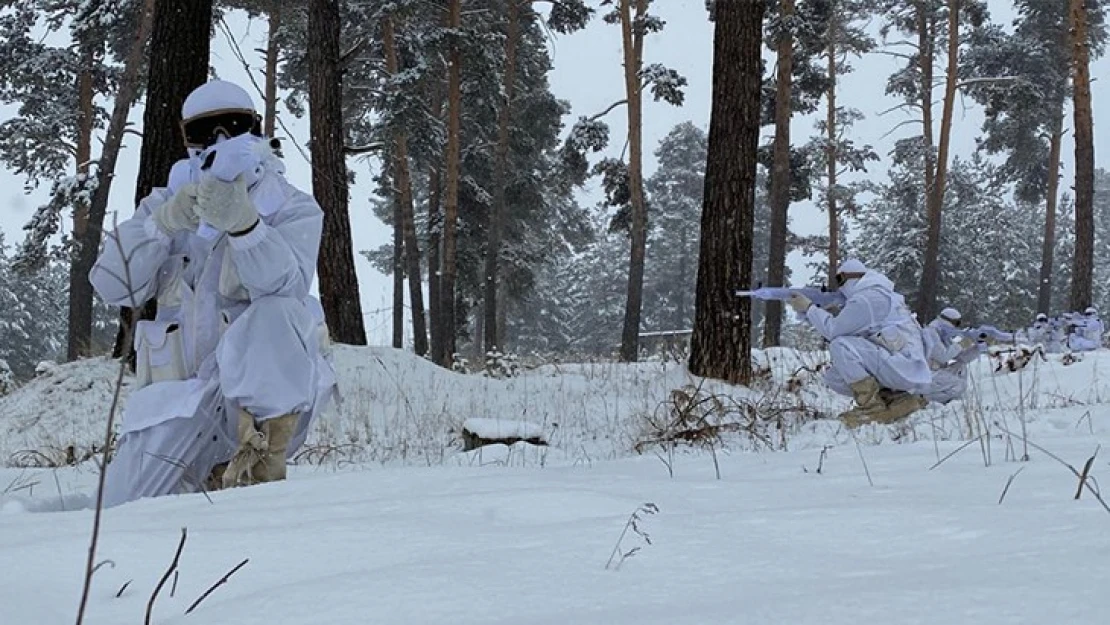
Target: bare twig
x=1009 y=481
x=123 y=588
x=165 y=576
x=173 y=586
x=108 y=436
x=1087 y=482
x=213 y=587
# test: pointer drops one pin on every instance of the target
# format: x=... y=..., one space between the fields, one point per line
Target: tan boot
x=868 y=404
x=252 y=448
x=901 y=405
x=278 y=432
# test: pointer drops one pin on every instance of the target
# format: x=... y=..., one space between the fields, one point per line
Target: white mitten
x=179 y=214
x=226 y=206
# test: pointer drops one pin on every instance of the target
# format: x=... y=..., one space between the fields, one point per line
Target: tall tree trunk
x=178 y=63
x=721 y=343
x=1048 y=248
x=402 y=180
x=336 y=264
x=1083 y=268
x=273 y=49
x=632 y=43
x=501 y=176
x=451 y=194
x=780 y=177
x=934 y=189
x=435 y=225
x=831 y=156
x=398 y=270
x=79 y=329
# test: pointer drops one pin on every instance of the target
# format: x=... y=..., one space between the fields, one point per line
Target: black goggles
x=954 y=322
x=204 y=131
x=842 y=278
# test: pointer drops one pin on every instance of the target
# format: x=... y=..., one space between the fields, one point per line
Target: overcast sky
x=588 y=74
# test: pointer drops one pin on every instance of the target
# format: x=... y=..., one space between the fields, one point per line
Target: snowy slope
x=523 y=534
x=770 y=543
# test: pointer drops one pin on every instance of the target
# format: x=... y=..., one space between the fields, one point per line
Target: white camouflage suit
x=236 y=329
x=948 y=361
x=874 y=335
x=1087 y=333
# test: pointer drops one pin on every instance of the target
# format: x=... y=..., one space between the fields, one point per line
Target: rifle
x=820 y=296
x=983 y=333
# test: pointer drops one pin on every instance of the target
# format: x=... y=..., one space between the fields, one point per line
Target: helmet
x=850 y=269
x=1091 y=310
x=1042 y=317
x=218 y=109
x=951 y=315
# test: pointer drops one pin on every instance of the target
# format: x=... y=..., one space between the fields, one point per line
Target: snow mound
x=59 y=416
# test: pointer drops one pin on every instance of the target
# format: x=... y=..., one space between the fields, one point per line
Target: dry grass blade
x=1006 y=488
x=957 y=450
x=119 y=593
x=165 y=576
x=213 y=587
x=1086 y=472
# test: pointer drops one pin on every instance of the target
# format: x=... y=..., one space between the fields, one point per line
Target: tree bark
x=398 y=270
x=402 y=180
x=780 y=178
x=1083 y=268
x=1048 y=248
x=79 y=329
x=451 y=194
x=721 y=343
x=934 y=199
x=178 y=63
x=632 y=44
x=273 y=49
x=492 y=330
x=336 y=264
x=830 y=157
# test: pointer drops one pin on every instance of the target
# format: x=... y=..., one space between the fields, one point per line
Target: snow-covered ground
x=523 y=535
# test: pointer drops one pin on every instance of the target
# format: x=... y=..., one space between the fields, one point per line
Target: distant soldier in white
x=876 y=348
x=948 y=356
x=1087 y=330
x=230 y=374
x=1040 y=332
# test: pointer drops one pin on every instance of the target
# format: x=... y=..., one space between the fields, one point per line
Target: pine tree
x=591 y=134
x=721 y=341
x=675 y=200
x=342 y=306
x=795 y=32
x=1079 y=19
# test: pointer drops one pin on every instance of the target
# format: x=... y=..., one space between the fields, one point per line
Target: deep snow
x=523 y=535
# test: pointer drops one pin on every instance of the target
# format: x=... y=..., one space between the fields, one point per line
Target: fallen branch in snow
x=213 y=587
x=1006 y=488
x=632 y=523
x=165 y=576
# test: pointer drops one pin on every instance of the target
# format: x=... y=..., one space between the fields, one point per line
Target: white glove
x=226 y=206
x=800 y=303
x=179 y=214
